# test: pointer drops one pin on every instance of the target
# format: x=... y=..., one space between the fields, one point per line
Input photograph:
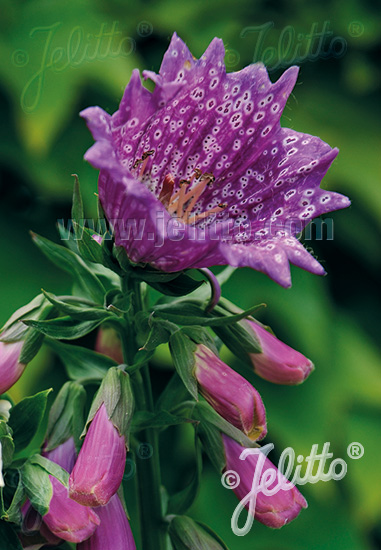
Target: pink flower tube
x=67 y=519
x=278 y=362
x=99 y=468
x=233 y=397
x=10 y=368
x=114 y=532
x=272 y=510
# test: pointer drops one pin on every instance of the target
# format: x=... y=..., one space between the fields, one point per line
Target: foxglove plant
x=197 y=173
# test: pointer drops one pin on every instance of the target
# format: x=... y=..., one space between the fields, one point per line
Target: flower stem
x=152 y=526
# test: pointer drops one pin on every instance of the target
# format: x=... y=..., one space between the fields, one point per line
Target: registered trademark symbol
x=355 y=450
x=356 y=29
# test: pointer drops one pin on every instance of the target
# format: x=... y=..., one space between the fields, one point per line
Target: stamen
x=183 y=187
x=207 y=213
x=145 y=159
x=166 y=190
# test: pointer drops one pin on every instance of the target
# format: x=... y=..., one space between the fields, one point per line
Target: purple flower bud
x=278 y=362
x=67 y=519
x=10 y=368
x=233 y=397
x=108 y=343
x=114 y=532
x=99 y=468
x=272 y=510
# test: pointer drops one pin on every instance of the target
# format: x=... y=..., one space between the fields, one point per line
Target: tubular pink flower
x=10 y=368
x=275 y=510
x=278 y=362
x=200 y=172
x=233 y=397
x=108 y=343
x=114 y=532
x=99 y=468
x=66 y=519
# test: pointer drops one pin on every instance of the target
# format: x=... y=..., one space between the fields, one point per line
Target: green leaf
x=13 y=514
x=183 y=500
x=32 y=343
x=240 y=341
x=143 y=420
x=66 y=415
x=182 y=351
x=51 y=468
x=74 y=265
x=77 y=310
x=9 y=539
x=25 y=418
x=7 y=444
x=158 y=335
x=169 y=312
x=82 y=364
x=64 y=327
x=35 y=480
x=34 y=305
x=186 y=534
x=37 y=485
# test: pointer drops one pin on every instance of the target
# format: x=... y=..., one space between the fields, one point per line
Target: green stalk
x=152 y=526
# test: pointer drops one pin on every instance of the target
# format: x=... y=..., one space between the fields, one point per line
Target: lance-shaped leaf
x=209 y=429
x=82 y=364
x=77 y=310
x=7 y=444
x=144 y=420
x=65 y=416
x=25 y=418
x=74 y=265
x=186 y=534
x=66 y=327
x=190 y=314
x=35 y=479
x=183 y=355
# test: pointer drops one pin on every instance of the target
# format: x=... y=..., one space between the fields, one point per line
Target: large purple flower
x=200 y=172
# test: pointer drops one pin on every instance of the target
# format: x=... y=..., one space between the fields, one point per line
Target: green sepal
x=186 y=534
x=35 y=479
x=116 y=393
x=8 y=537
x=13 y=513
x=65 y=328
x=66 y=416
x=72 y=263
x=34 y=305
x=144 y=420
x=157 y=335
x=183 y=500
x=239 y=341
x=26 y=417
x=7 y=444
x=77 y=310
x=183 y=354
x=200 y=335
x=191 y=313
x=32 y=343
x=82 y=364
x=210 y=426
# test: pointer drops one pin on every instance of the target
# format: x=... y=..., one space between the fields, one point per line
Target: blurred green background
x=59 y=57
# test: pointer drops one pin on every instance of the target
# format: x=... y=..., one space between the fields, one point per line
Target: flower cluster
x=197 y=173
